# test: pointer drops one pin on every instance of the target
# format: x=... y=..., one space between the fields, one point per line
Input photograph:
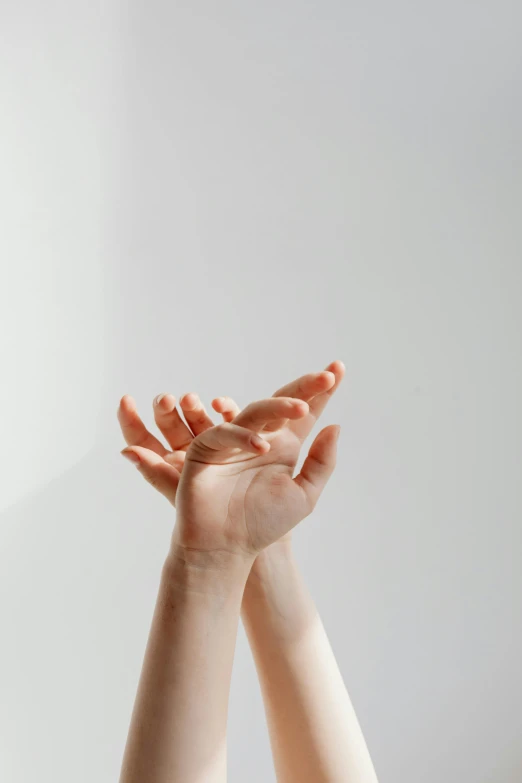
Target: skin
x=237 y=501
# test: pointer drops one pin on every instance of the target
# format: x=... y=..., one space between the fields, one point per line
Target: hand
x=232 y=483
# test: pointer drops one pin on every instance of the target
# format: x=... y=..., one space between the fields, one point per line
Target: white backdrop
x=219 y=197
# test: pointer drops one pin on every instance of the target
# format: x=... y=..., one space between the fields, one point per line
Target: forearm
x=178 y=726
x=314 y=732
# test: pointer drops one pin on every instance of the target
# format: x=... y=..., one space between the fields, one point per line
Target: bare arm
x=314 y=732
x=235 y=492
x=178 y=726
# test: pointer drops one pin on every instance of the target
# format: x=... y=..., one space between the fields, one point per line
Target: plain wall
x=218 y=198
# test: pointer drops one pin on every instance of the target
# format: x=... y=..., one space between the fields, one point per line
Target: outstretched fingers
x=319 y=402
x=195 y=414
x=259 y=414
x=318 y=465
x=170 y=423
x=303 y=388
x=320 y=392
x=227 y=407
x=134 y=430
x=307 y=386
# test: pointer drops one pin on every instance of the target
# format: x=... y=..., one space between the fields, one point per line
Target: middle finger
x=167 y=417
x=195 y=414
x=304 y=388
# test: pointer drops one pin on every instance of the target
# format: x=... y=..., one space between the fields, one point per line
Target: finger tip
x=131 y=455
x=330 y=376
x=126 y=407
x=165 y=402
x=302 y=407
x=260 y=443
x=189 y=401
x=326 y=379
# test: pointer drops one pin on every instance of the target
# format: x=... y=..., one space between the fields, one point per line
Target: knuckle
x=319 y=461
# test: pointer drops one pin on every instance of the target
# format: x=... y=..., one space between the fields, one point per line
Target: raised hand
x=232 y=483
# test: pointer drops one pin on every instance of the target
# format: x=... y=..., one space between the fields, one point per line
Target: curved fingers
x=170 y=423
x=318 y=465
x=229 y=436
x=317 y=389
x=134 y=430
x=160 y=474
x=307 y=386
x=195 y=414
x=227 y=407
x=319 y=402
x=263 y=412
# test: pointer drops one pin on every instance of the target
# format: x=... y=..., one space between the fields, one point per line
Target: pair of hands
x=232 y=483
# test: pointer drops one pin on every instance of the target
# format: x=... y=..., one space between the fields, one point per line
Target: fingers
x=195 y=413
x=318 y=403
x=307 y=386
x=320 y=386
x=161 y=475
x=133 y=429
x=258 y=414
x=176 y=459
x=170 y=423
x=226 y=407
x=228 y=436
x=303 y=388
x=319 y=464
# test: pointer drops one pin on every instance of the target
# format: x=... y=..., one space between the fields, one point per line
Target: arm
x=235 y=492
x=234 y=495
x=178 y=726
x=314 y=732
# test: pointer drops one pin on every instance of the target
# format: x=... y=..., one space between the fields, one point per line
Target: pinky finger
x=154 y=469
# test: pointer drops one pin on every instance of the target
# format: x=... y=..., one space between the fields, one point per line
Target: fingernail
x=158 y=399
x=338 y=431
x=131 y=456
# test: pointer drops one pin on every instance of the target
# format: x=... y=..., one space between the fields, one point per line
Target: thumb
x=319 y=464
x=162 y=476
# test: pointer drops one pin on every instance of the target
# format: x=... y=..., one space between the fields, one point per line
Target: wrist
x=271 y=564
x=214 y=570
x=277 y=609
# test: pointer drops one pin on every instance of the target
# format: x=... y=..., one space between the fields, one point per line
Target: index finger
x=316 y=389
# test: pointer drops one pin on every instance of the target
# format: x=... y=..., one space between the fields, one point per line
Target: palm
x=250 y=500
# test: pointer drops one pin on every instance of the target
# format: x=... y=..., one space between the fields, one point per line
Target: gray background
x=220 y=197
